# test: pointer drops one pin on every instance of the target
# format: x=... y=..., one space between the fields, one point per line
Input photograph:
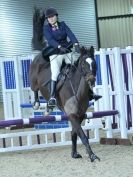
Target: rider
x=56 y=34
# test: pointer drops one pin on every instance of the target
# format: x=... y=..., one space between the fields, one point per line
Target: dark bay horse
x=72 y=92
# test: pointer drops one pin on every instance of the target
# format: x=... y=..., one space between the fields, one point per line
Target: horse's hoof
x=48 y=111
x=36 y=105
x=93 y=157
x=76 y=155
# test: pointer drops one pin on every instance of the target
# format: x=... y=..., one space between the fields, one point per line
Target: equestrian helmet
x=50 y=12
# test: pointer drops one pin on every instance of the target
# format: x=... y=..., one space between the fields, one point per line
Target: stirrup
x=52 y=102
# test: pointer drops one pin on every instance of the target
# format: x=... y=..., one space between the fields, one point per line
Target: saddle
x=66 y=72
x=48 y=51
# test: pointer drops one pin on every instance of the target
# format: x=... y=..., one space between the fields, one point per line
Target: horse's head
x=88 y=65
x=38 y=41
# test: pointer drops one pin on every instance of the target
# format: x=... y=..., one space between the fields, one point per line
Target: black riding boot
x=92 y=96
x=96 y=97
x=52 y=101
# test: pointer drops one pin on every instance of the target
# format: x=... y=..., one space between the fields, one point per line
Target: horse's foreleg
x=78 y=129
x=36 y=103
x=74 y=153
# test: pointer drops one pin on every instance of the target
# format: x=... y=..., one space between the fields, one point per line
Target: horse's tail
x=36 y=67
x=33 y=78
x=38 y=41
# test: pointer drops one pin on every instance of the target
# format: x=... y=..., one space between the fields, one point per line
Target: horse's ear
x=82 y=50
x=92 y=51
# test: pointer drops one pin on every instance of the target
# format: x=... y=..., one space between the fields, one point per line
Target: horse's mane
x=87 y=51
x=38 y=41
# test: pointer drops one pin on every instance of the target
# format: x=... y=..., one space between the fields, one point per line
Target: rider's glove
x=77 y=48
x=62 y=50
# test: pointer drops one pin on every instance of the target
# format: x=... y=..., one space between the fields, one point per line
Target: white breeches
x=56 y=63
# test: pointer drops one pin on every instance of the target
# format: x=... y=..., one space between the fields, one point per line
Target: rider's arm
x=51 y=41
x=70 y=34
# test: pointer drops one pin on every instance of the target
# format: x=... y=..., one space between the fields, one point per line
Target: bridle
x=87 y=71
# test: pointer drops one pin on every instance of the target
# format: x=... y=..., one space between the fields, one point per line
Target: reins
x=82 y=74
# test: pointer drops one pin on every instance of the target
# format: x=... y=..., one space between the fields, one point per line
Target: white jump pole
x=105 y=89
x=120 y=92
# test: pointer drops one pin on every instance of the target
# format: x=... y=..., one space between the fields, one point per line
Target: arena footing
x=115 y=141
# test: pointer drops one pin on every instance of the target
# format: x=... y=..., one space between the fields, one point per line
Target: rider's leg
x=92 y=96
x=55 y=65
x=52 y=100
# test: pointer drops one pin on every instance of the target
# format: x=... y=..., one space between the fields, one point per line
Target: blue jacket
x=59 y=36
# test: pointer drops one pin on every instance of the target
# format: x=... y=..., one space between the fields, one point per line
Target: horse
x=72 y=92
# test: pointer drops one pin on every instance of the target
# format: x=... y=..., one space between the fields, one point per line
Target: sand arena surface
x=116 y=161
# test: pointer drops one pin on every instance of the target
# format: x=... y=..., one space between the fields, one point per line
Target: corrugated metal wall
x=115 y=31
x=114 y=7
x=16 y=22
x=16 y=27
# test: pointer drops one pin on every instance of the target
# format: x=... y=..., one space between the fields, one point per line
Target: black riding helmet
x=50 y=12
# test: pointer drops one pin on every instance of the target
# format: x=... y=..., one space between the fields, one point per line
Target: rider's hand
x=63 y=50
x=77 y=48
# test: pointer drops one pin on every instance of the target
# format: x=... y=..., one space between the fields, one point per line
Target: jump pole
x=31 y=121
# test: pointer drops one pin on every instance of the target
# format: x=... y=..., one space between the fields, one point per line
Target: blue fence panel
x=25 y=72
x=9 y=72
x=98 y=75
